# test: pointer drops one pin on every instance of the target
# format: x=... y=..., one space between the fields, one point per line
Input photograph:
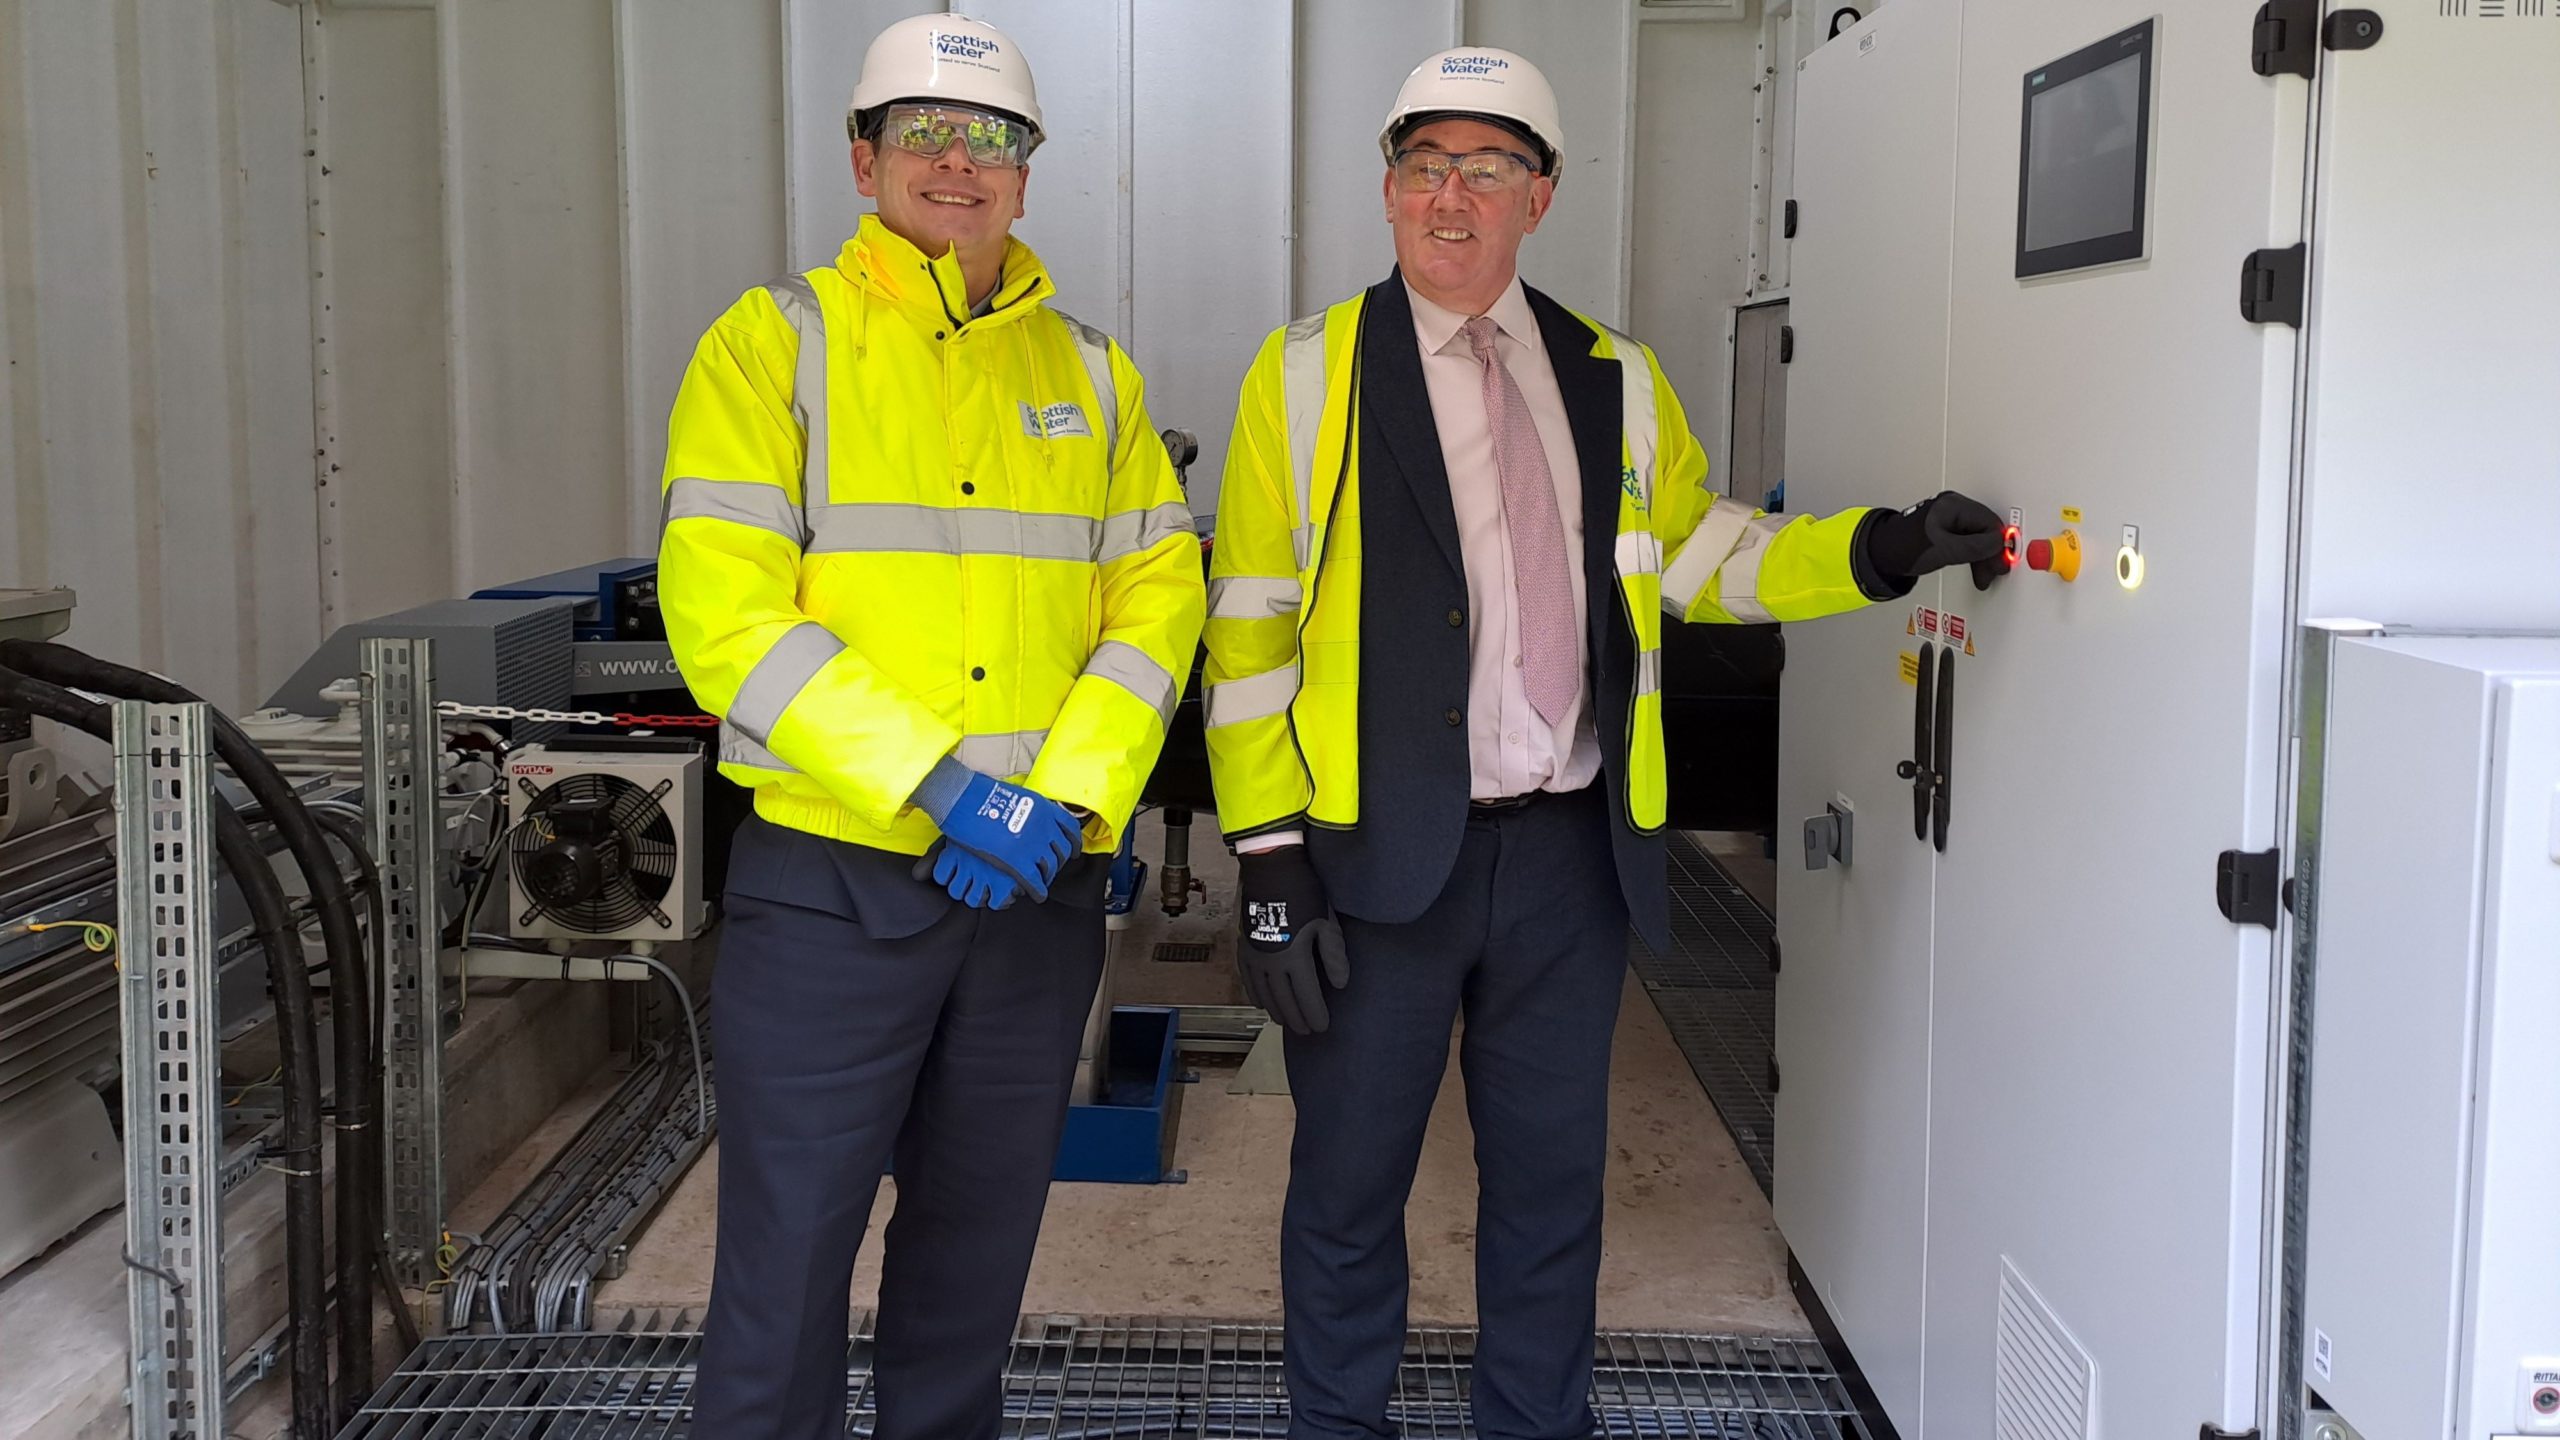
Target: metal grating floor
x=1718 y=996
x=1071 y=1379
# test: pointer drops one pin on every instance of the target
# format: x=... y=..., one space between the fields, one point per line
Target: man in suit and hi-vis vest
x=1455 y=514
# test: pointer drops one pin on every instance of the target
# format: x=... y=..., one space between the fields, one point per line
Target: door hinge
x=1791 y=220
x=2245 y=885
x=2271 y=284
x=1773 y=1074
x=1786 y=344
x=1774 y=960
x=2286 y=39
x=2211 y=1431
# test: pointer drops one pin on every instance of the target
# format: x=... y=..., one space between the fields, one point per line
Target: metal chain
x=624 y=718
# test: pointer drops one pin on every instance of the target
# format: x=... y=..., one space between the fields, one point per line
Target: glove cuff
x=942 y=788
x=1873 y=582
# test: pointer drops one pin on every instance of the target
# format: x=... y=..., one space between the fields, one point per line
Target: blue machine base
x=1129 y=1139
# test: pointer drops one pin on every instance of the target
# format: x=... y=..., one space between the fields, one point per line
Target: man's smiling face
x=946 y=201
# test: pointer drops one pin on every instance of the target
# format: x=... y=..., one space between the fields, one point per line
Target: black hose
x=350 y=1023
x=369 y=883
x=306 y=1239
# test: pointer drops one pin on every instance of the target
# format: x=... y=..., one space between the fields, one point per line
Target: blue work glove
x=1020 y=832
x=972 y=879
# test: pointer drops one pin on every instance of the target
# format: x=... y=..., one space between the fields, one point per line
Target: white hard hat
x=947 y=57
x=1478 y=80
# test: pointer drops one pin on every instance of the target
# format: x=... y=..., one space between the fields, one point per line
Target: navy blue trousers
x=1528 y=942
x=951 y=1048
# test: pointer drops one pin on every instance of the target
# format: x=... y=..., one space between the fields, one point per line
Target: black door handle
x=1918 y=768
x=1944 y=738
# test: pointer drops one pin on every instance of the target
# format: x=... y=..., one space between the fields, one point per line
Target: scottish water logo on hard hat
x=1480 y=67
x=961 y=45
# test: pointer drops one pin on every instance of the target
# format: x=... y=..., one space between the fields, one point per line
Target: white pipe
x=451 y=155
x=324 y=281
x=467 y=964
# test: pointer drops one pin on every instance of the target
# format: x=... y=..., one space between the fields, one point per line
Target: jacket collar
x=1395 y=405
x=1595 y=410
x=930 y=291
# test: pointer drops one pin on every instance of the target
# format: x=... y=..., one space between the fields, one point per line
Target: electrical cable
x=353 y=1137
x=684 y=1003
x=297 y=1047
x=693 y=1032
x=345 y=821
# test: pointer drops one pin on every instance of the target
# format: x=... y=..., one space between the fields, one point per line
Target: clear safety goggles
x=1425 y=171
x=996 y=141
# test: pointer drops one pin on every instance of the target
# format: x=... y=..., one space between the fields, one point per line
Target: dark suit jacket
x=1413 y=660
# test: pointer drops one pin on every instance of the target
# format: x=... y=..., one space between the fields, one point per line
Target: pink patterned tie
x=1549 y=654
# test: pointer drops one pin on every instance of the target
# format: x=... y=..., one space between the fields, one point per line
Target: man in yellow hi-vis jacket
x=927 y=560
x=1453 y=518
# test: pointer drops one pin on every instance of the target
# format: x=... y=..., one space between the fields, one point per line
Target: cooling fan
x=604 y=845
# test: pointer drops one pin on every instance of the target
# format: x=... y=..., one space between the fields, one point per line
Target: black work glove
x=1285 y=929
x=1946 y=529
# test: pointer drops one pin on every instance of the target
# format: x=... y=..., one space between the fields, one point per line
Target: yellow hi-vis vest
x=1281 y=687
x=984 y=551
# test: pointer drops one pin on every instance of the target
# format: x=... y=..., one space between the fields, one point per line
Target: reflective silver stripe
x=1302 y=403
x=737 y=749
x=1639 y=553
x=1095 y=347
x=1001 y=755
x=1135 y=532
x=1635 y=379
x=1648 y=671
x=780 y=676
x=1252 y=597
x=931 y=530
x=1726 y=522
x=1255 y=697
x=740 y=502
x=799 y=302
x=1135 y=671
x=1738 y=582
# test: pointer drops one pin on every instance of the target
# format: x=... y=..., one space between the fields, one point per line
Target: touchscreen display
x=2084 y=156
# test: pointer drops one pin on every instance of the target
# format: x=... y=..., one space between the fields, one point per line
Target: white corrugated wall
x=315 y=312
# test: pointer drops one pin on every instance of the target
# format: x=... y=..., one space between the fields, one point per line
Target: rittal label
x=2320 y=1353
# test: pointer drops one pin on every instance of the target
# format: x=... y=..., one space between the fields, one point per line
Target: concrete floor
x=1690 y=1246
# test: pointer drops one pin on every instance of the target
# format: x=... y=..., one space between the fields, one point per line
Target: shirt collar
x=1436 y=326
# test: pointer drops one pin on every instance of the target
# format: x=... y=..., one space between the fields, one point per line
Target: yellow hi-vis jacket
x=1280 y=689
x=984 y=551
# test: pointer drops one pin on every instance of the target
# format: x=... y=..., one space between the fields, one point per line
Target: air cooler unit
x=604 y=844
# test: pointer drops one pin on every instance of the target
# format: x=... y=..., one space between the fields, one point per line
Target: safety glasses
x=995 y=141
x=1425 y=171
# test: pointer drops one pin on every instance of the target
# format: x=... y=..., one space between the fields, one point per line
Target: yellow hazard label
x=2070 y=514
x=1910 y=668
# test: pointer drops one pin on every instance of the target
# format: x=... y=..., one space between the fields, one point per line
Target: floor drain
x=1181 y=952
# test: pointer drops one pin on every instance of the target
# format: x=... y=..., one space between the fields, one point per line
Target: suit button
x=1457 y=618
x=1453 y=715
x=968 y=488
x=978 y=672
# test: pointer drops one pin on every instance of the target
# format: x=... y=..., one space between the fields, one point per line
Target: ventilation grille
x=2045 y=1386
